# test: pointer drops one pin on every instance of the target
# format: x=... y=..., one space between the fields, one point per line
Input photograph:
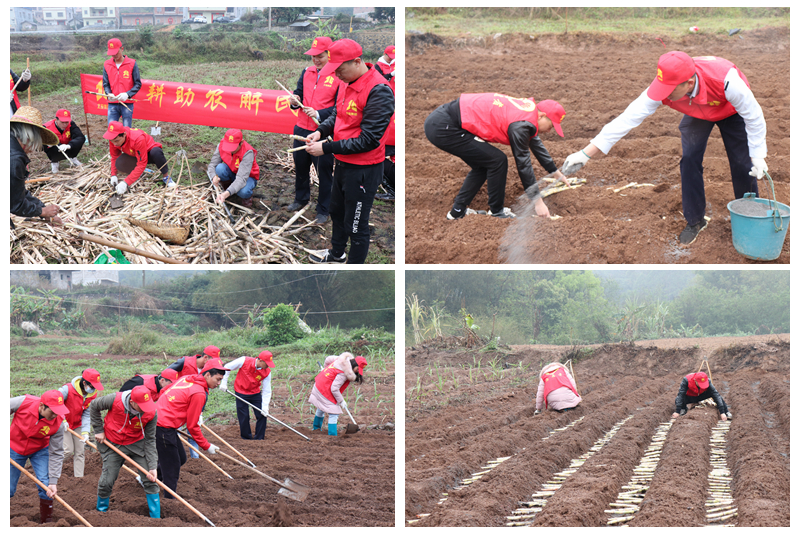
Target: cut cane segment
x=464 y=483
x=553 y=432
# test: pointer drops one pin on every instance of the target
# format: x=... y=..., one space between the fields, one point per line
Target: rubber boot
x=45 y=511
x=154 y=505
x=332 y=429
x=102 y=504
x=317 y=423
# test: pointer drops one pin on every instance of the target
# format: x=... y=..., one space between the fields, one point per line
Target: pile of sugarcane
x=215 y=236
x=526 y=514
x=554 y=431
x=558 y=187
x=720 y=509
x=629 y=500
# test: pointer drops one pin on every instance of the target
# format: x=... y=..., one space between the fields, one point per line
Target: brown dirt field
x=594 y=77
x=460 y=416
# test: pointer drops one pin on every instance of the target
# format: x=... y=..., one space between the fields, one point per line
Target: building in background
x=138 y=18
x=58 y=16
x=20 y=16
x=64 y=279
x=106 y=16
x=168 y=15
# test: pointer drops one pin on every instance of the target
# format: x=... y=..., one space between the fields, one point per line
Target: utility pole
x=270 y=20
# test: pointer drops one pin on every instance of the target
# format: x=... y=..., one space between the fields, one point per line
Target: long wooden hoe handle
x=93 y=445
x=204 y=457
x=57 y=497
x=228 y=445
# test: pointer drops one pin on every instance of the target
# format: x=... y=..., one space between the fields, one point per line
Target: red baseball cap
x=554 y=111
x=320 y=44
x=344 y=50
x=141 y=395
x=93 y=376
x=55 y=402
x=214 y=364
x=211 y=350
x=115 y=128
x=113 y=46
x=362 y=364
x=389 y=51
x=230 y=142
x=701 y=380
x=170 y=374
x=63 y=115
x=266 y=356
x=674 y=68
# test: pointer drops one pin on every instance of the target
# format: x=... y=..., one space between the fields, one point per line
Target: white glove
x=759 y=167
x=122 y=187
x=63 y=147
x=343 y=404
x=122 y=97
x=200 y=421
x=26 y=75
x=212 y=449
x=574 y=162
x=114 y=181
x=12 y=95
x=85 y=437
x=65 y=425
x=223 y=387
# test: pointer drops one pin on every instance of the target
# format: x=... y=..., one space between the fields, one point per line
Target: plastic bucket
x=759 y=237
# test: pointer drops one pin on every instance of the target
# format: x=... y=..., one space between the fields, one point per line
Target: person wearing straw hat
x=710 y=91
x=70 y=138
x=131 y=151
x=358 y=122
x=557 y=390
x=234 y=167
x=385 y=64
x=78 y=394
x=694 y=389
x=315 y=95
x=121 y=81
x=130 y=425
x=23 y=85
x=466 y=126
x=155 y=383
x=182 y=404
x=327 y=393
x=37 y=435
x=28 y=135
x=253 y=384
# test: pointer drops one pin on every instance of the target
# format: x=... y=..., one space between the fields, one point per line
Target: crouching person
x=694 y=389
x=130 y=426
x=330 y=384
x=70 y=140
x=557 y=389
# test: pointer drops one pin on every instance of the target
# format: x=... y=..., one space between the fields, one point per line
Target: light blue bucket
x=760 y=237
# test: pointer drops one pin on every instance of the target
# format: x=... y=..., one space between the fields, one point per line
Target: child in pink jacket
x=557 y=389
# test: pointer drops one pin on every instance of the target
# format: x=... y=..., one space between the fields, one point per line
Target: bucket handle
x=775 y=210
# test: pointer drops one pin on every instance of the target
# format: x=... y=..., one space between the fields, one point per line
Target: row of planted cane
x=720 y=507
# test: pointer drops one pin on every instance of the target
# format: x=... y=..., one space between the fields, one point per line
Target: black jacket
x=23 y=203
x=23 y=86
x=76 y=136
x=323 y=113
x=682 y=399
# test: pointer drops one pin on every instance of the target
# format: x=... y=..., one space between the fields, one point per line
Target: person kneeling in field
x=466 y=126
x=130 y=426
x=234 y=166
x=131 y=151
x=156 y=384
x=253 y=384
x=694 y=389
x=70 y=138
x=330 y=384
x=556 y=390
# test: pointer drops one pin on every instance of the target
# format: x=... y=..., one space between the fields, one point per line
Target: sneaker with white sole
x=328 y=257
x=54 y=168
x=505 y=213
x=455 y=214
x=690 y=233
x=168 y=182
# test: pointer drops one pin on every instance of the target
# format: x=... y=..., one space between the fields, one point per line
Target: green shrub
x=138 y=341
x=282 y=326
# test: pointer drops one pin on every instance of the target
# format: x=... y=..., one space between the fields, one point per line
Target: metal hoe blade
x=298 y=492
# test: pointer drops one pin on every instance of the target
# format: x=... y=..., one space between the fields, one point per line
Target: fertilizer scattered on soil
x=751 y=208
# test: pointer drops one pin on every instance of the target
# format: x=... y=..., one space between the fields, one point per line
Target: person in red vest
x=155 y=383
x=78 y=394
x=23 y=85
x=234 y=166
x=385 y=65
x=129 y=425
x=131 y=151
x=121 y=81
x=70 y=140
x=253 y=384
x=387 y=181
x=466 y=126
x=36 y=434
x=187 y=366
x=556 y=390
x=316 y=95
x=694 y=389
x=363 y=111
x=709 y=91
x=182 y=404
x=329 y=386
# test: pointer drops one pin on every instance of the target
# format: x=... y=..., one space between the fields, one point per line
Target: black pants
x=243 y=414
x=302 y=178
x=388 y=167
x=354 y=188
x=704 y=396
x=55 y=155
x=694 y=138
x=489 y=165
x=126 y=163
x=171 y=457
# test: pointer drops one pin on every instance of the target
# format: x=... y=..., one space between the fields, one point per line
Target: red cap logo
x=660 y=75
x=60 y=400
x=111 y=128
x=146 y=397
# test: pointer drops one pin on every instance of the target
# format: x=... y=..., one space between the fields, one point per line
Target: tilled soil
x=460 y=415
x=594 y=77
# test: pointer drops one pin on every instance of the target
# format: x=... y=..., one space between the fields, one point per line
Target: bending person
x=557 y=389
x=329 y=386
x=694 y=389
x=253 y=384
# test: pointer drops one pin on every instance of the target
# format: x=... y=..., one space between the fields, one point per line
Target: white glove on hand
x=114 y=181
x=343 y=404
x=65 y=425
x=759 y=168
x=63 y=147
x=122 y=97
x=212 y=449
x=12 y=95
x=85 y=437
x=574 y=162
x=223 y=387
x=26 y=75
x=122 y=188
x=200 y=421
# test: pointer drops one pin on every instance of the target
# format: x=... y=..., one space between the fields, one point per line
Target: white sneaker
x=169 y=183
x=54 y=168
x=505 y=213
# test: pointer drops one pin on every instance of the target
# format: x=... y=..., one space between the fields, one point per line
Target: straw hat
x=31 y=116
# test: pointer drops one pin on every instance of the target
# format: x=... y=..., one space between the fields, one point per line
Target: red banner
x=205 y=105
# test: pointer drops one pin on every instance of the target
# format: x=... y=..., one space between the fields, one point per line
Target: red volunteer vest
x=488 y=115
x=63 y=137
x=349 y=113
x=137 y=140
x=555 y=380
x=386 y=69
x=710 y=103
x=189 y=366
x=11 y=87
x=76 y=405
x=152 y=386
x=318 y=94
x=28 y=433
x=120 y=79
x=233 y=160
x=390 y=129
x=248 y=379
x=692 y=380
x=121 y=427
x=173 y=404
x=324 y=380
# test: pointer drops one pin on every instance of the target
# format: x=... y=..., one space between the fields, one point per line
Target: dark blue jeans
x=694 y=138
x=118 y=112
x=40 y=461
x=227 y=176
